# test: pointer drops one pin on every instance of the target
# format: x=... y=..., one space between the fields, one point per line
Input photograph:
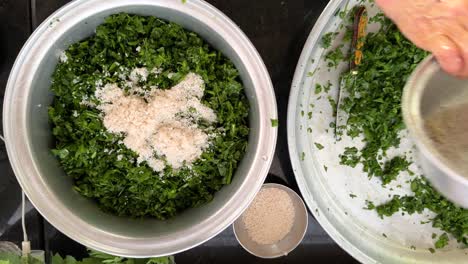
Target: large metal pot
x=28 y=136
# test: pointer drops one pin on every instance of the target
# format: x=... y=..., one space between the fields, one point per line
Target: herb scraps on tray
x=373 y=109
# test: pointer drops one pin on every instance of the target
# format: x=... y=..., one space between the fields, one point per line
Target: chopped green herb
x=309 y=130
x=274 y=122
x=318 y=88
x=325 y=168
x=352 y=195
x=319 y=146
x=449 y=217
x=310 y=74
x=334 y=57
x=327 y=86
x=384 y=235
x=309 y=114
x=373 y=104
x=442 y=241
x=108 y=172
x=327 y=39
x=370 y=205
x=413 y=247
x=302 y=156
x=350 y=157
x=431 y=250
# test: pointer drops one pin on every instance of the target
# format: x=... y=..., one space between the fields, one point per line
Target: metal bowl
x=28 y=135
x=327 y=190
x=427 y=89
x=285 y=245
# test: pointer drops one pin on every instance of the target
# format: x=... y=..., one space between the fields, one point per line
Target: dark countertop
x=278 y=29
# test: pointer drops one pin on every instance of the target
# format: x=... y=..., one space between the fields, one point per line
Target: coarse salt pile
x=160 y=127
x=270 y=217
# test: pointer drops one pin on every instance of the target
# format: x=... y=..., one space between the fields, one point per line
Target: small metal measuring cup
x=426 y=90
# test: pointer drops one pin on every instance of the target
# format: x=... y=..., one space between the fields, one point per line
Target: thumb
x=448 y=54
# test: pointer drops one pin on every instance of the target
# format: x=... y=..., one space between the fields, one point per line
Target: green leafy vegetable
x=89 y=154
x=334 y=57
x=96 y=257
x=274 y=122
x=327 y=86
x=375 y=90
x=318 y=88
x=442 y=241
x=11 y=258
x=449 y=217
x=318 y=145
x=327 y=39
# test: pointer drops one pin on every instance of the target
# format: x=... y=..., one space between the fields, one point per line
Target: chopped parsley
x=327 y=86
x=373 y=104
x=334 y=57
x=274 y=122
x=318 y=145
x=310 y=74
x=106 y=171
x=442 y=241
x=318 y=88
x=374 y=107
x=327 y=39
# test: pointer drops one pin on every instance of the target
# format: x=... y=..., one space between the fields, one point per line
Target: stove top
x=286 y=23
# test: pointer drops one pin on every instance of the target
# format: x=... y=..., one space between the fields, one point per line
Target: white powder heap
x=270 y=217
x=162 y=128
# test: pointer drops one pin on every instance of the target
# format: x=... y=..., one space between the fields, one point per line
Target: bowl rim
x=294 y=195
x=26 y=170
x=411 y=110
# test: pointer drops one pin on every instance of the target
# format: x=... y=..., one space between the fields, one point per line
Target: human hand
x=438 y=26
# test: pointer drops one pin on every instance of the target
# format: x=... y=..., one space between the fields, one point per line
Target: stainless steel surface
x=289 y=242
x=427 y=89
x=29 y=139
x=327 y=192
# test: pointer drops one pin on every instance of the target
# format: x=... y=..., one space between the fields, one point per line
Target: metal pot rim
x=411 y=110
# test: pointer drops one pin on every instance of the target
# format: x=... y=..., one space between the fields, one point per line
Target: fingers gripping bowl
x=29 y=138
